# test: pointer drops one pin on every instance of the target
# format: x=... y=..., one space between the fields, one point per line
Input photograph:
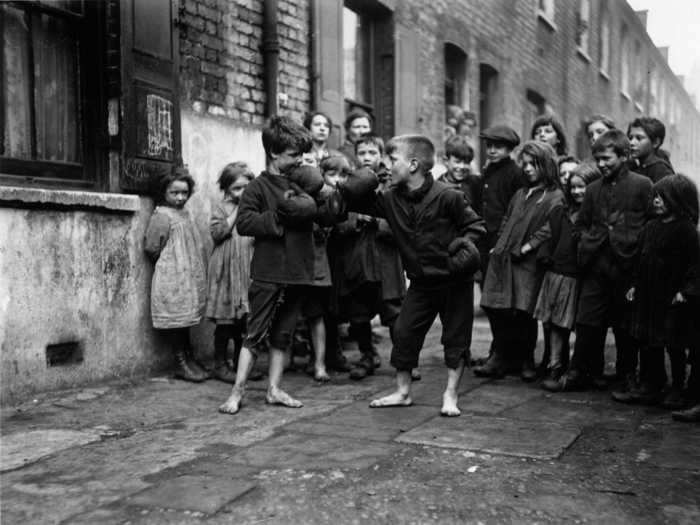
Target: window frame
x=368 y=67
x=604 y=48
x=86 y=174
x=583 y=29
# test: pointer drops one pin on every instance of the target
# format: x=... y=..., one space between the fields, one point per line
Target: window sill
x=541 y=15
x=625 y=95
x=19 y=197
x=604 y=74
x=638 y=107
x=582 y=54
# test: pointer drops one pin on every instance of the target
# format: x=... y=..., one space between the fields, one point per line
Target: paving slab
x=302 y=451
x=557 y=410
x=360 y=415
x=677 y=448
x=494 y=435
x=495 y=397
x=204 y=493
x=22 y=448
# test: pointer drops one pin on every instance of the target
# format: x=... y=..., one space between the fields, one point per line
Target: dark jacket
x=472 y=186
x=355 y=254
x=653 y=167
x=500 y=182
x=282 y=254
x=558 y=254
x=612 y=216
x=424 y=222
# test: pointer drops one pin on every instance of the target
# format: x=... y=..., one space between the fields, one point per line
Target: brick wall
x=221 y=58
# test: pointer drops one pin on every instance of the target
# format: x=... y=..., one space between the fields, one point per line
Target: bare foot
x=233 y=403
x=449 y=404
x=397 y=399
x=321 y=375
x=280 y=397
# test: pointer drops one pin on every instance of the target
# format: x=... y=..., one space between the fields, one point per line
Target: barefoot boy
x=435 y=231
x=279 y=214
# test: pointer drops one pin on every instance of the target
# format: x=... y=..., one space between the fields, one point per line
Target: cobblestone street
x=157 y=451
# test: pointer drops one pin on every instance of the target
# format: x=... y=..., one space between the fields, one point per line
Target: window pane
x=355 y=57
x=56 y=90
x=16 y=97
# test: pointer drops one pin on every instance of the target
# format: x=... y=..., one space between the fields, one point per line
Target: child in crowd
x=229 y=272
x=646 y=134
x=614 y=211
x=549 y=130
x=668 y=251
x=688 y=316
x=556 y=304
x=566 y=165
x=513 y=277
x=320 y=126
x=369 y=150
x=434 y=230
x=179 y=279
x=357 y=123
x=278 y=209
x=596 y=125
x=458 y=156
x=501 y=178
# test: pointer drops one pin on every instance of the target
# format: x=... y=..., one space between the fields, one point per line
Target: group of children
x=324 y=237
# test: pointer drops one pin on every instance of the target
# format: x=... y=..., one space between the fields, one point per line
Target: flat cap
x=501 y=133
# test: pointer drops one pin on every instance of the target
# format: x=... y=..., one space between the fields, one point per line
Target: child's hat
x=501 y=133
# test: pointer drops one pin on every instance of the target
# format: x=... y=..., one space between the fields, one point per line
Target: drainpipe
x=271 y=53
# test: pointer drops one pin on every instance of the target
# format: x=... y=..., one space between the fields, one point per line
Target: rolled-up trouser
x=453 y=301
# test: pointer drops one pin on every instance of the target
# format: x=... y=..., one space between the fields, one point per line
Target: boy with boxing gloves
x=278 y=209
x=435 y=231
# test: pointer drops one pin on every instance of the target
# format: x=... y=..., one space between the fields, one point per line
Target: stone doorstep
x=494 y=435
x=198 y=493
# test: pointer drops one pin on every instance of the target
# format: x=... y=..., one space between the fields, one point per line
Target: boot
x=528 y=372
x=221 y=371
x=553 y=381
x=628 y=392
x=574 y=381
x=363 y=368
x=493 y=368
x=689 y=415
x=185 y=370
x=195 y=365
x=674 y=399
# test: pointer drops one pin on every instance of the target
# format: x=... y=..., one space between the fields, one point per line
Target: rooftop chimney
x=643 y=17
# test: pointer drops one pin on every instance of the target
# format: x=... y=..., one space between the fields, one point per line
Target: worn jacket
x=282 y=254
x=500 y=182
x=424 y=222
x=653 y=167
x=558 y=254
x=612 y=216
x=472 y=186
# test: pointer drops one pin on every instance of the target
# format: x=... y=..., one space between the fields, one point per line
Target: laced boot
x=222 y=371
x=629 y=392
x=195 y=364
x=185 y=370
x=363 y=368
x=553 y=381
x=494 y=368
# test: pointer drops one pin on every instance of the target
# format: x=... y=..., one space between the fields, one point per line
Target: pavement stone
x=494 y=436
x=203 y=493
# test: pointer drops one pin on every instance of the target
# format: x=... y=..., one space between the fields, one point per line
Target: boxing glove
x=463 y=257
x=361 y=183
x=308 y=178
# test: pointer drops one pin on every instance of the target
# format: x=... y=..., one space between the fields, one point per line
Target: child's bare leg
x=402 y=396
x=450 y=397
x=275 y=395
x=246 y=360
x=318 y=340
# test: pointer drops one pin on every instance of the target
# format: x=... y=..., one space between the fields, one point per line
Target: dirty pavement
x=157 y=451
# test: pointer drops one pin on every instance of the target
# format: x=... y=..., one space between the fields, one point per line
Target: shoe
x=573 y=381
x=339 y=364
x=196 y=365
x=689 y=415
x=528 y=372
x=492 y=368
x=599 y=382
x=553 y=382
x=649 y=395
x=185 y=370
x=674 y=399
x=628 y=392
x=363 y=368
x=223 y=373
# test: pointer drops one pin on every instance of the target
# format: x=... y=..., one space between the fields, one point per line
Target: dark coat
x=653 y=167
x=558 y=254
x=424 y=222
x=612 y=216
x=472 y=186
x=282 y=254
x=513 y=280
x=500 y=182
x=667 y=253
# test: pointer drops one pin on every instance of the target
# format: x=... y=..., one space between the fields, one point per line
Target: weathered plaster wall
x=73 y=275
